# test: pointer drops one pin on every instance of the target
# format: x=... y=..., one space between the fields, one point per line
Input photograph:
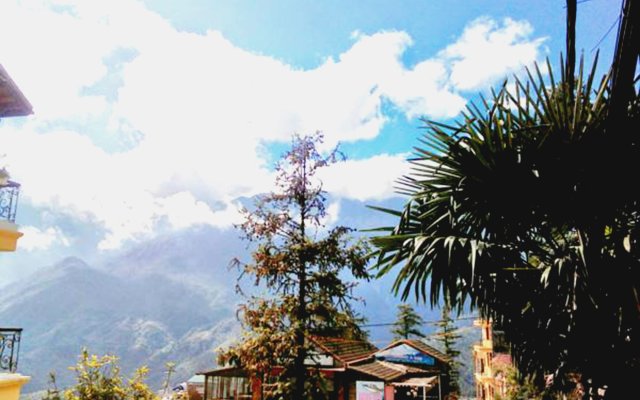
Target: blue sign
x=405 y=354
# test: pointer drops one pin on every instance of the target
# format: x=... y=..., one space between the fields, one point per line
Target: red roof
x=384 y=370
x=501 y=359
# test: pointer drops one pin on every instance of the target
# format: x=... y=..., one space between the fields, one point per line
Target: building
x=354 y=370
x=12 y=104
x=195 y=387
x=491 y=360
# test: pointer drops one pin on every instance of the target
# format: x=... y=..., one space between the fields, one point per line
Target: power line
x=617 y=21
x=579 y=2
x=429 y=322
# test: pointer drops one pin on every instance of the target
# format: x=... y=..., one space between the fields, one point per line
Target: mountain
x=198 y=252
x=151 y=305
x=172 y=298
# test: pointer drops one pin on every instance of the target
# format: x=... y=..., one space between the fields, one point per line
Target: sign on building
x=369 y=390
x=405 y=354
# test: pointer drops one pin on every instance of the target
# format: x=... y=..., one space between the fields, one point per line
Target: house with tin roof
x=353 y=369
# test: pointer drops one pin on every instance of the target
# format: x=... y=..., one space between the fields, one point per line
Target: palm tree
x=526 y=209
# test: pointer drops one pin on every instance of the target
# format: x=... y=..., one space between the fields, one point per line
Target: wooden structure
x=354 y=370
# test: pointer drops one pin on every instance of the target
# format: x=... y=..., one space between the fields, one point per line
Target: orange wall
x=388 y=392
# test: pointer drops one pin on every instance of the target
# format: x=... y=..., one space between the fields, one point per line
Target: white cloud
x=201 y=110
x=369 y=179
x=487 y=52
x=52 y=57
x=333 y=214
x=37 y=239
x=424 y=91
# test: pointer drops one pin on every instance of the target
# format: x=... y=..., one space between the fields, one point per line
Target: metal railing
x=9 y=192
x=9 y=348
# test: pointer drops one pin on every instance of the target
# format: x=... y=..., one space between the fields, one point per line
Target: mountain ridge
x=168 y=299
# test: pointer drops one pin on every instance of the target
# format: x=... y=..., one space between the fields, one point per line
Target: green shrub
x=100 y=378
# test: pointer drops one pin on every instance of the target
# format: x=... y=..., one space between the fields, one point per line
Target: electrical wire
x=429 y=322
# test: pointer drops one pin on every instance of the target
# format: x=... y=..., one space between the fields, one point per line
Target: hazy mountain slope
x=167 y=299
x=145 y=320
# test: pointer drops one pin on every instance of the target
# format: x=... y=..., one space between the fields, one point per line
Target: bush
x=100 y=378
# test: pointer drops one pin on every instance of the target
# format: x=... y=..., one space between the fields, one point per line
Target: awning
x=421 y=382
x=232 y=372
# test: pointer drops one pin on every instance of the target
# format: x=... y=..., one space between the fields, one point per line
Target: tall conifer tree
x=448 y=338
x=301 y=264
x=407 y=324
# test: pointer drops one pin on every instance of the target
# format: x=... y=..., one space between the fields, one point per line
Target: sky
x=158 y=115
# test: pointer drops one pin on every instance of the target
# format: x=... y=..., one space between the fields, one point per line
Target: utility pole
x=624 y=61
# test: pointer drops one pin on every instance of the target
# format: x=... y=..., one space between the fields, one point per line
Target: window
x=228 y=388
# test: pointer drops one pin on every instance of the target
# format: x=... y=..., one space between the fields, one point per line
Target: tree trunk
x=300 y=373
x=301 y=354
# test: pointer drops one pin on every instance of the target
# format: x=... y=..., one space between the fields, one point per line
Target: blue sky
x=154 y=116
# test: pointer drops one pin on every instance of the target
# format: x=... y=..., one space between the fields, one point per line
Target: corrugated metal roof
x=384 y=370
x=225 y=371
x=344 y=350
x=421 y=346
x=429 y=382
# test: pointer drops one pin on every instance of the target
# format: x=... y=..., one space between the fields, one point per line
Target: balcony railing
x=9 y=192
x=9 y=348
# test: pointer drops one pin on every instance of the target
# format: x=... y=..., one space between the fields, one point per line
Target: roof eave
x=17 y=105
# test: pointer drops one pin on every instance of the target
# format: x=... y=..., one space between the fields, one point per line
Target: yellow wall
x=10 y=385
x=8 y=236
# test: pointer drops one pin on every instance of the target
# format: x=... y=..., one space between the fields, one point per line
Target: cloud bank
x=141 y=128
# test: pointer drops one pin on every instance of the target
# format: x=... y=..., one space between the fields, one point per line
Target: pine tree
x=407 y=323
x=301 y=264
x=448 y=337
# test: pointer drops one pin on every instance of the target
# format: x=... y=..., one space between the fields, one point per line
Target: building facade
x=490 y=360
x=12 y=104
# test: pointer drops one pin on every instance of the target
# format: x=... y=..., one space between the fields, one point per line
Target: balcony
x=9 y=192
x=10 y=381
x=9 y=349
